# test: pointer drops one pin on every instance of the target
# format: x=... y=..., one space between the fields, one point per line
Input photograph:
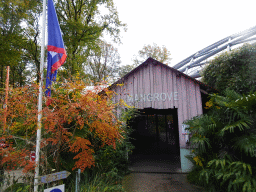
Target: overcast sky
x=183 y=26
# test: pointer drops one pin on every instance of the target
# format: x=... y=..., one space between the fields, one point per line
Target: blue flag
x=56 y=52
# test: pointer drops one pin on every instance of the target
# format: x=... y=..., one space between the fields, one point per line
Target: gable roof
x=155 y=62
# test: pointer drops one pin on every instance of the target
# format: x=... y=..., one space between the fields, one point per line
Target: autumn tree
x=20 y=128
x=103 y=64
x=154 y=51
x=83 y=23
x=77 y=123
x=159 y=53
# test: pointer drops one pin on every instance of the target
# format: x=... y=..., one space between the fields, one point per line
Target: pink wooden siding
x=161 y=87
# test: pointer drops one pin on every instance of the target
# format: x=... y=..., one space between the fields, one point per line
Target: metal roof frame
x=200 y=57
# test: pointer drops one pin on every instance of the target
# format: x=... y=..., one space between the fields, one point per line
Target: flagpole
x=40 y=98
x=6 y=95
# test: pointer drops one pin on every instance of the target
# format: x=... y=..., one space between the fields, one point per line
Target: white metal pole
x=40 y=97
x=6 y=96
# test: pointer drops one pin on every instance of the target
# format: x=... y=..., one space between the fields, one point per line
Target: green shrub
x=233 y=69
x=194 y=175
x=18 y=187
x=225 y=175
x=102 y=182
x=224 y=141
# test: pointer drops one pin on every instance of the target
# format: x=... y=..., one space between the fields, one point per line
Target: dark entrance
x=156 y=136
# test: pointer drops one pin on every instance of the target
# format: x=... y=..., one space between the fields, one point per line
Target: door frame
x=165 y=112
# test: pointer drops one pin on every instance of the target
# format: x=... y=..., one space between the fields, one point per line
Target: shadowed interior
x=156 y=141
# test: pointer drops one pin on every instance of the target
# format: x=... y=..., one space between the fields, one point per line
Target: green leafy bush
x=18 y=187
x=225 y=175
x=225 y=143
x=235 y=69
x=102 y=182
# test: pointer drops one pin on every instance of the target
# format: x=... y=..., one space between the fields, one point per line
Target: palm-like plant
x=225 y=142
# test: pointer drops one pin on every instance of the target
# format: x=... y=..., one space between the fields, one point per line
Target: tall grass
x=101 y=183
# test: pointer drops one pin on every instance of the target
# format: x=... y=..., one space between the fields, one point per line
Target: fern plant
x=225 y=139
x=226 y=175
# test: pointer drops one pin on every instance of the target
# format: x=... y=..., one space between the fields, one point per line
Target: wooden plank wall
x=159 y=87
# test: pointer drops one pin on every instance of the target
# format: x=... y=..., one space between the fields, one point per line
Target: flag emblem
x=56 y=55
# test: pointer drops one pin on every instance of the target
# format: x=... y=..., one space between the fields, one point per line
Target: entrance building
x=166 y=98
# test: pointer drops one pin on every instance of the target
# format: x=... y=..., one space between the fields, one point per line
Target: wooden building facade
x=156 y=86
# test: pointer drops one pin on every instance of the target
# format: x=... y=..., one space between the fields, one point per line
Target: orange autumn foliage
x=76 y=121
x=20 y=128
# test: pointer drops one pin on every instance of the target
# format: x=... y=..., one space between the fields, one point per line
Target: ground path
x=156 y=182
x=157 y=173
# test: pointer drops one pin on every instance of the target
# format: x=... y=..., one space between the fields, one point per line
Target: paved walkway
x=155 y=163
x=157 y=173
x=154 y=182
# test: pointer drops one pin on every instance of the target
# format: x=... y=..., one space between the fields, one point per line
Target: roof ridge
x=150 y=60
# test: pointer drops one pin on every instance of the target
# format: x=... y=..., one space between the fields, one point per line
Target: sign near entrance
x=184 y=131
x=153 y=97
x=53 y=177
x=60 y=188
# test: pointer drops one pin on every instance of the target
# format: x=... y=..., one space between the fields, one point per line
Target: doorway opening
x=156 y=141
